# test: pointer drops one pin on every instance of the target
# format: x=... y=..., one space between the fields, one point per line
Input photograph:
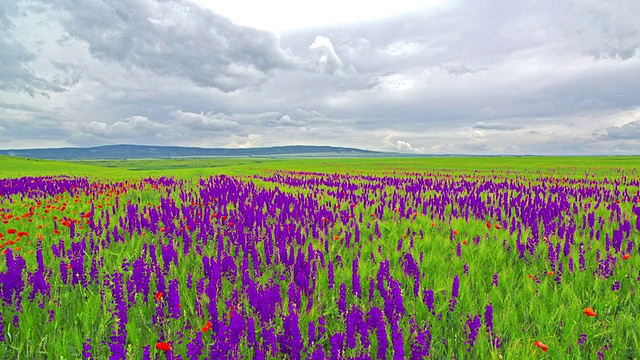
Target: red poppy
x=206 y=327
x=11 y=231
x=626 y=256
x=337 y=237
x=542 y=346
x=455 y=232
x=488 y=225
x=163 y=346
x=498 y=226
x=550 y=273
x=589 y=311
x=159 y=295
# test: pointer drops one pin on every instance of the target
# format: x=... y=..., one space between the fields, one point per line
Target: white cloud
x=328 y=59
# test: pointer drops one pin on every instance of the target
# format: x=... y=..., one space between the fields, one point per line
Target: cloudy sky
x=440 y=76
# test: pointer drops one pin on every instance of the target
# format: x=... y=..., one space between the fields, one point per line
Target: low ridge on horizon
x=135 y=151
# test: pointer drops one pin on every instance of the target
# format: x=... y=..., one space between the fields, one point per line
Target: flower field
x=358 y=263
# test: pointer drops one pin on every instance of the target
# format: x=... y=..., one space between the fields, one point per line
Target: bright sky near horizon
x=440 y=76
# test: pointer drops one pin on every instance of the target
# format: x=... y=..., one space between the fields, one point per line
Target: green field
x=297 y=243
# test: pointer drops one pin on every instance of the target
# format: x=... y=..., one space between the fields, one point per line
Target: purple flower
x=194 y=348
x=318 y=353
x=311 y=334
x=332 y=281
x=337 y=346
x=375 y=321
x=455 y=288
x=174 y=299
x=355 y=280
x=582 y=339
x=488 y=318
x=495 y=280
x=354 y=321
x=342 y=302
x=427 y=298
x=1 y=327
x=86 y=349
x=473 y=324
x=291 y=339
x=615 y=286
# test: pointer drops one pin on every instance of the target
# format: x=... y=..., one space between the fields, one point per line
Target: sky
x=433 y=77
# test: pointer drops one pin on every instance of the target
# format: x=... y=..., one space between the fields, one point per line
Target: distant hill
x=159 y=152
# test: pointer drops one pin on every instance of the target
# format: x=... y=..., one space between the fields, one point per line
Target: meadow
x=459 y=258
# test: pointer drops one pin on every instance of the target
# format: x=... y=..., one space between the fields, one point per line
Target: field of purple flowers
x=322 y=266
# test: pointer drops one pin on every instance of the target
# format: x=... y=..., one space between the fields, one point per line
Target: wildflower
x=206 y=327
x=542 y=346
x=582 y=339
x=550 y=273
x=163 y=346
x=626 y=256
x=615 y=286
x=473 y=324
x=159 y=295
x=488 y=225
x=497 y=226
x=11 y=231
x=589 y=312
x=455 y=232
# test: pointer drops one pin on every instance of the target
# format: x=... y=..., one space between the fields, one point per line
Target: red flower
x=589 y=311
x=542 y=346
x=159 y=295
x=206 y=327
x=626 y=256
x=498 y=227
x=163 y=346
x=488 y=225
x=11 y=231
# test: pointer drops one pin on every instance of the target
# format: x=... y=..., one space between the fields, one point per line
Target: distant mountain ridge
x=159 y=152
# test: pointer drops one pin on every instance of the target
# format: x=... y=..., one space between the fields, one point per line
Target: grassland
x=488 y=257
